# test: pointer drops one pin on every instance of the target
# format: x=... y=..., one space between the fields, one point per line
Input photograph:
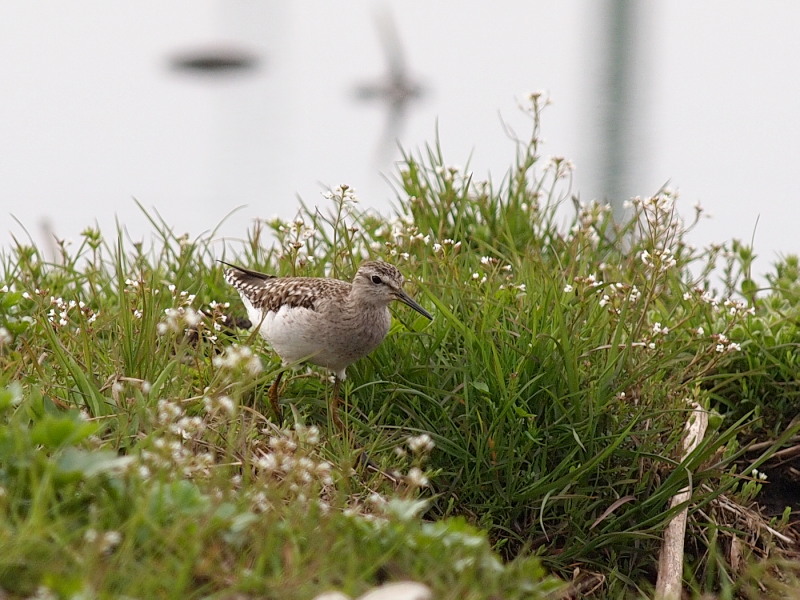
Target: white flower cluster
x=237 y=357
x=184 y=296
x=590 y=217
x=106 y=542
x=733 y=307
x=61 y=310
x=343 y=194
x=420 y=444
x=536 y=101
x=478 y=277
x=219 y=405
x=445 y=245
x=452 y=173
x=723 y=344
x=659 y=260
x=655 y=208
x=174 y=457
x=561 y=167
x=416 y=478
x=611 y=295
x=590 y=281
x=172 y=416
x=659 y=329
x=170 y=452
x=178 y=319
x=294 y=239
x=289 y=460
x=738 y=307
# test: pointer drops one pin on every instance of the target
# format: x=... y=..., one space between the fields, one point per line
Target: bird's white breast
x=289 y=330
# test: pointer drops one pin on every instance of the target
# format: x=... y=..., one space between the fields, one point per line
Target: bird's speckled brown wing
x=268 y=292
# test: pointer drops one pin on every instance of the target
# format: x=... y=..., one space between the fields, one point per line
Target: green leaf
x=54 y=432
x=481 y=386
x=89 y=464
x=10 y=396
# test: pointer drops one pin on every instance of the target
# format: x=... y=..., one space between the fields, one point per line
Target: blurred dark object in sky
x=397 y=89
x=213 y=60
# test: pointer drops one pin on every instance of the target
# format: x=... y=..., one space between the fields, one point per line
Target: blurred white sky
x=92 y=116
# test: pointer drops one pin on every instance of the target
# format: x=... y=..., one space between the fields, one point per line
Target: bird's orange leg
x=273 y=397
x=335 y=401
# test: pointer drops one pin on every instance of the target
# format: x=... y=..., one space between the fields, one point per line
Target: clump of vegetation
x=526 y=443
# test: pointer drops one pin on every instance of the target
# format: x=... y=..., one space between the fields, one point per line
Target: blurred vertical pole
x=617 y=123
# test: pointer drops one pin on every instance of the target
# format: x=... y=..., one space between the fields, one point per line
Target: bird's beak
x=406 y=299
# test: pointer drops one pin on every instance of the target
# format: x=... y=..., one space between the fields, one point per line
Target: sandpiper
x=327 y=322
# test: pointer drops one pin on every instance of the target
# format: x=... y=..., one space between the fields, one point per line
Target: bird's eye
x=376 y=280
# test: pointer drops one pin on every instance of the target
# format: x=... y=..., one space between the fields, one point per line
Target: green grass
x=138 y=460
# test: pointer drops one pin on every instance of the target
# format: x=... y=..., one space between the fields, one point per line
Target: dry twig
x=670 y=561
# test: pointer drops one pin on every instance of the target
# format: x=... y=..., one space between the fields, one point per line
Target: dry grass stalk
x=670 y=561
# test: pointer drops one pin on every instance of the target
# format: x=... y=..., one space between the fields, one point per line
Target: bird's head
x=381 y=283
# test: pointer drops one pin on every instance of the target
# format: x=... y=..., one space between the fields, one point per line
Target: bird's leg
x=273 y=396
x=335 y=401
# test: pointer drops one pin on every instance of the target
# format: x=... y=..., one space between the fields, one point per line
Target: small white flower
x=109 y=541
x=226 y=404
x=420 y=444
x=568 y=289
x=658 y=329
x=709 y=298
x=254 y=365
x=191 y=317
x=309 y=435
x=376 y=499
x=416 y=478
x=268 y=463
